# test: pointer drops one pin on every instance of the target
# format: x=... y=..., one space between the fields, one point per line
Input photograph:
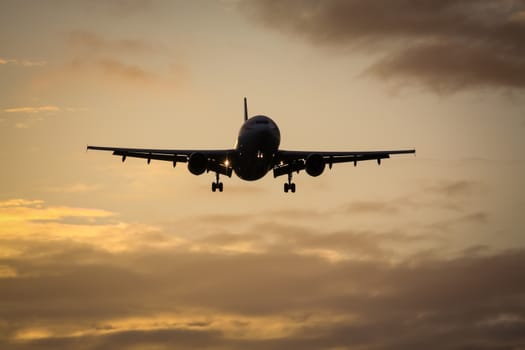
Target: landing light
x=226 y=162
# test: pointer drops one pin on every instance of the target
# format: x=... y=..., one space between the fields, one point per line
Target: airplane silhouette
x=255 y=154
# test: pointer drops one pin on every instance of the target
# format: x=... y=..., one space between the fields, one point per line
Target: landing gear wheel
x=217 y=185
x=289 y=186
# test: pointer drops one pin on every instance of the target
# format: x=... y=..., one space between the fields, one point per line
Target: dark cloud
x=469 y=301
x=283 y=238
x=477 y=217
x=362 y=207
x=456 y=188
x=274 y=284
x=448 y=224
x=443 y=44
x=453 y=66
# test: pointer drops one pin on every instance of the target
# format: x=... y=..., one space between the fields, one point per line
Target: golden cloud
x=24 y=63
x=40 y=109
x=21 y=210
x=231 y=326
x=18 y=202
x=81 y=278
x=29 y=219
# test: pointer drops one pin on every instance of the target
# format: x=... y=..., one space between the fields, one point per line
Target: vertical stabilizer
x=245 y=110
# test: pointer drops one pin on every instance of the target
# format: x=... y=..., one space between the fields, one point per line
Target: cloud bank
x=444 y=45
x=79 y=278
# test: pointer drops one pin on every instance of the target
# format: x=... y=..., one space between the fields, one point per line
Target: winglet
x=245 y=110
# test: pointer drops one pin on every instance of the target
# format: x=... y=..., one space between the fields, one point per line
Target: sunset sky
x=422 y=252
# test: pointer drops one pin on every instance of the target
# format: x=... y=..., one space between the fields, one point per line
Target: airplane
x=255 y=154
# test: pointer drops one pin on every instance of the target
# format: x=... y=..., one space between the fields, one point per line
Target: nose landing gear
x=217 y=185
x=289 y=186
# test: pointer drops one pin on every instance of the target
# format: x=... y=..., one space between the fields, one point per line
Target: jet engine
x=197 y=163
x=314 y=165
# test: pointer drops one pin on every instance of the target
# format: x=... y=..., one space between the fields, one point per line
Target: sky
x=424 y=251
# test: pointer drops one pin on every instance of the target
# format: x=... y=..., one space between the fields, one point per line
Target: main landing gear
x=217 y=185
x=289 y=186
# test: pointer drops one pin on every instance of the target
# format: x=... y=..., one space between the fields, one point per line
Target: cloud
x=121 y=8
x=65 y=285
x=19 y=202
x=32 y=114
x=455 y=189
x=518 y=16
x=96 y=53
x=125 y=71
x=40 y=109
x=74 y=188
x=21 y=125
x=452 y=66
x=128 y=60
x=33 y=220
x=19 y=210
x=294 y=301
x=444 y=45
x=23 y=63
x=362 y=207
x=92 y=42
x=6 y=272
x=112 y=68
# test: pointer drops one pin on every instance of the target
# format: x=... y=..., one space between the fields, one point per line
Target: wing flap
x=355 y=158
x=149 y=156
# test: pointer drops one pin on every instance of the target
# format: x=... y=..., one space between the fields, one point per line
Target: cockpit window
x=262 y=121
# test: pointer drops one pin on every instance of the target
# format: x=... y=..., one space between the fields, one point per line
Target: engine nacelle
x=314 y=165
x=197 y=164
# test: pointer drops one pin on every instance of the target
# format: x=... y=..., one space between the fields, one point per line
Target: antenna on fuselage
x=245 y=110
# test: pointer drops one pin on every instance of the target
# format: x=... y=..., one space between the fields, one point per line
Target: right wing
x=216 y=160
x=295 y=161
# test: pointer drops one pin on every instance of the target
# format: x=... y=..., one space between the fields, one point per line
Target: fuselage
x=257 y=145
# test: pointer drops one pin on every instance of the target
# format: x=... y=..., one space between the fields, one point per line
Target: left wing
x=315 y=161
x=212 y=160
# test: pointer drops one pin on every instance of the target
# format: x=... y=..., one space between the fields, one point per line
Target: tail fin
x=245 y=110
